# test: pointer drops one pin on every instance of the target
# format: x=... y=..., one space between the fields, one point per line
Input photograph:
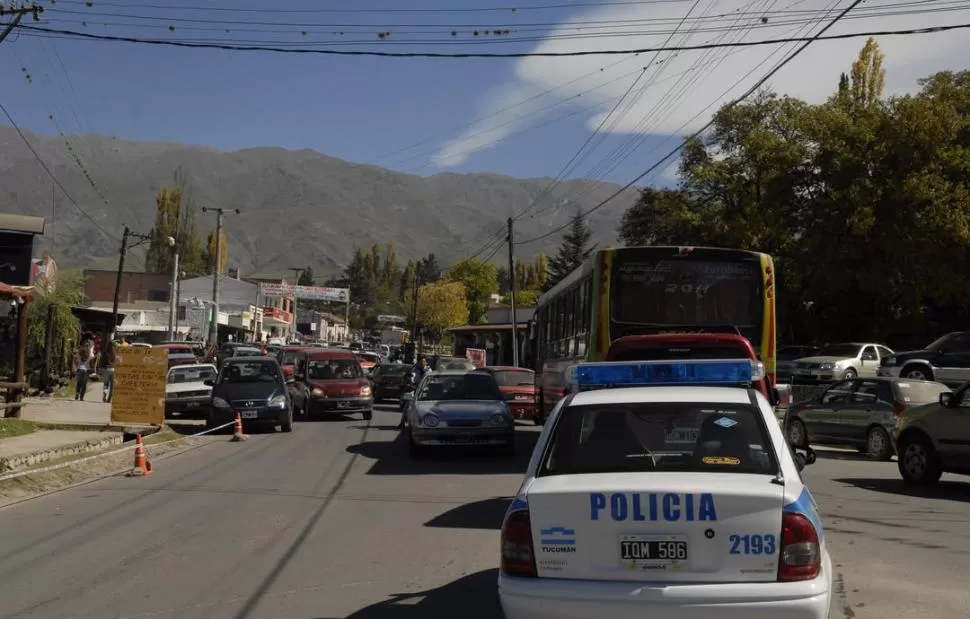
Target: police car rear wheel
x=918 y=462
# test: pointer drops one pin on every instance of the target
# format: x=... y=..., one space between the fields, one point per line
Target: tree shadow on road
x=944 y=490
x=472 y=597
x=393 y=458
x=484 y=514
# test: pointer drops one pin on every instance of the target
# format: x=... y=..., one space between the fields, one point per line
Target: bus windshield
x=683 y=291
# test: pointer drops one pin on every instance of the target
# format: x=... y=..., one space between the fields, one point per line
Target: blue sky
x=364 y=109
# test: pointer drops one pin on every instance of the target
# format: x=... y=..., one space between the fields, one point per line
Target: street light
x=173 y=301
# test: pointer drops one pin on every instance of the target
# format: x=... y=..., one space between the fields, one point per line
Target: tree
x=575 y=248
x=306 y=277
x=390 y=271
x=68 y=293
x=175 y=218
x=480 y=281
x=406 y=286
x=502 y=275
x=541 y=272
x=428 y=269
x=868 y=76
x=210 y=253
x=441 y=306
x=520 y=275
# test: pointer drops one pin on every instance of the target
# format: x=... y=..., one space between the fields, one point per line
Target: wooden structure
x=18 y=297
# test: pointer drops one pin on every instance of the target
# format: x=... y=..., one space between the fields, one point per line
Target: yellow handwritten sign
x=139 y=386
x=720 y=460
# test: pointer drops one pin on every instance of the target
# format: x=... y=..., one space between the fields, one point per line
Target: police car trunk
x=684 y=486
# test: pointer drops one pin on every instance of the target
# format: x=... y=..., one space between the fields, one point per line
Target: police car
x=676 y=496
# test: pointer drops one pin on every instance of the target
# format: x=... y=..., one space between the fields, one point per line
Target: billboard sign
x=314 y=293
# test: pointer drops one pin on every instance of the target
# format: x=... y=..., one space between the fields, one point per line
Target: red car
x=286 y=357
x=521 y=382
x=331 y=382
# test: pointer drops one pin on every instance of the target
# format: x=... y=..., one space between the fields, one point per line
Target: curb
x=115 y=473
x=12 y=463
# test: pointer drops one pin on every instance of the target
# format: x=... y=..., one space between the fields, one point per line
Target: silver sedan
x=458 y=407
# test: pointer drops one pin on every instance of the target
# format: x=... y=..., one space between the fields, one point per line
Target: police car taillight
x=518 y=554
x=801 y=556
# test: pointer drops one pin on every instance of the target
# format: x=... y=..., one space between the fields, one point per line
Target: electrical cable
x=73 y=34
x=754 y=88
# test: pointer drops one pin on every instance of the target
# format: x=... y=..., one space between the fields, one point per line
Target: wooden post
x=45 y=377
x=15 y=394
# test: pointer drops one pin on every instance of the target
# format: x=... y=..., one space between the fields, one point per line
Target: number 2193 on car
x=653 y=549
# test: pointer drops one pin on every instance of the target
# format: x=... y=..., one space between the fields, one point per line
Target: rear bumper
x=198 y=405
x=522 y=409
x=529 y=598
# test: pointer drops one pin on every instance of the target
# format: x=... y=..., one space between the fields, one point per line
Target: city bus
x=640 y=291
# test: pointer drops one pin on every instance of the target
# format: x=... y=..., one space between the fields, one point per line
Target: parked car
x=520 y=384
x=840 y=362
x=442 y=364
x=860 y=413
x=458 y=407
x=187 y=392
x=388 y=381
x=933 y=439
x=946 y=359
x=254 y=388
x=786 y=357
x=368 y=360
x=330 y=381
x=181 y=358
x=286 y=357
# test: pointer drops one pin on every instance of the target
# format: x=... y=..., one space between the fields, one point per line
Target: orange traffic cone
x=237 y=431
x=142 y=465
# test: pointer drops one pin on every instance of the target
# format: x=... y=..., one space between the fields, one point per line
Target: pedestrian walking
x=108 y=369
x=414 y=379
x=82 y=368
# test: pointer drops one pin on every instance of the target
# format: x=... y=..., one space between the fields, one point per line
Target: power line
x=754 y=88
x=504 y=9
x=612 y=52
x=37 y=156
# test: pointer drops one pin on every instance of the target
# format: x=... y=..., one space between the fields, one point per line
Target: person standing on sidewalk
x=82 y=367
x=108 y=369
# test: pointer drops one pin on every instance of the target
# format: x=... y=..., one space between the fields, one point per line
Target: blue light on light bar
x=628 y=374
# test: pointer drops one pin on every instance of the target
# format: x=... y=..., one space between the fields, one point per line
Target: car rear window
x=472 y=386
x=683 y=437
x=663 y=353
x=190 y=375
x=395 y=369
x=914 y=393
x=289 y=357
x=514 y=378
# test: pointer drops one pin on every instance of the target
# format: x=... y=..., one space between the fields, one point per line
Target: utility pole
x=515 y=335
x=142 y=238
x=18 y=14
x=297 y=274
x=216 y=271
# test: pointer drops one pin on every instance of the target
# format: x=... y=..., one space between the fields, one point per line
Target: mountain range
x=297 y=208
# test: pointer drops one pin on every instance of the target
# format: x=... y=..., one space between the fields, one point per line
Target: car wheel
x=849 y=374
x=287 y=426
x=368 y=415
x=918 y=372
x=878 y=445
x=918 y=462
x=797 y=435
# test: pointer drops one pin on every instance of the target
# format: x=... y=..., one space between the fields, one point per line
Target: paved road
x=334 y=521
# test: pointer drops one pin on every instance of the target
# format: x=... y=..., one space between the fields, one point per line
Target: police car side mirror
x=804 y=456
x=945 y=399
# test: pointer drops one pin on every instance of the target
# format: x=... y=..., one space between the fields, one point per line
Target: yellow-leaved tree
x=441 y=305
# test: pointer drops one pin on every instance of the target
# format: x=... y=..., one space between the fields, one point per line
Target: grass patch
x=164 y=435
x=16 y=427
x=67 y=391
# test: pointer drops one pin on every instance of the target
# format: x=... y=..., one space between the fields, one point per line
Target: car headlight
x=317 y=392
x=430 y=420
x=889 y=361
x=218 y=402
x=498 y=419
x=827 y=366
x=277 y=402
x=365 y=391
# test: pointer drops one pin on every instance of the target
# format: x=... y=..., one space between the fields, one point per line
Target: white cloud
x=673 y=94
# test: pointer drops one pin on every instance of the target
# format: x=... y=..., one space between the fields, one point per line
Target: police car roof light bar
x=684 y=372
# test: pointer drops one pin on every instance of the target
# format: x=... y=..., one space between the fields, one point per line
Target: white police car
x=681 y=501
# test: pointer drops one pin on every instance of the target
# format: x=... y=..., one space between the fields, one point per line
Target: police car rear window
x=680 y=437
